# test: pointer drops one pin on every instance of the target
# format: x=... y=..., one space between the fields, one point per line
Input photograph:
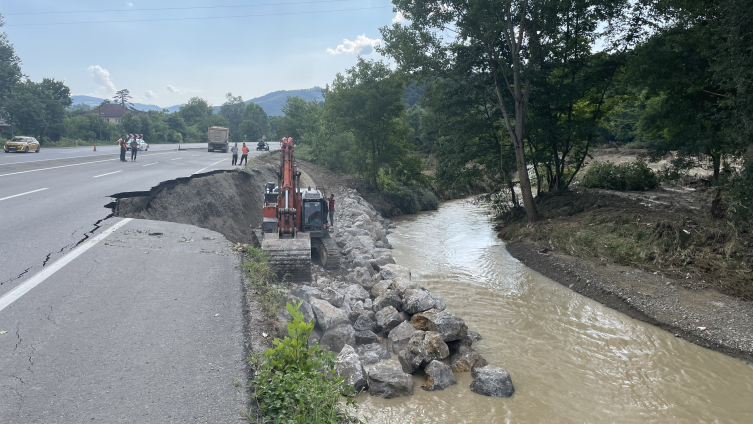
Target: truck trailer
x=217 y=139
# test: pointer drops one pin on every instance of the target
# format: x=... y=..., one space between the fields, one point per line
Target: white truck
x=217 y=139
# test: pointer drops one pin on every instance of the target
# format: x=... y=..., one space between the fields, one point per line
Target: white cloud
x=130 y=4
x=150 y=94
x=172 y=89
x=362 y=45
x=399 y=18
x=102 y=78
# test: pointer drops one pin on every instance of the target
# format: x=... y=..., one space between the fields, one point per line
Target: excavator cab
x=314 y=213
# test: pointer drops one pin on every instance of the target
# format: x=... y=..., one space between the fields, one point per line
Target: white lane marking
x=176 y=158
x=66 y=166
x=209 y=166
x=16 y=195
x=194 y=155
x=42 y=275
x=109 y=173
x=150 y=164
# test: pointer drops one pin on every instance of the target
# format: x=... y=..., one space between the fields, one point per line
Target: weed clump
x=262 y=280
x=297 y=383
x=634 y=176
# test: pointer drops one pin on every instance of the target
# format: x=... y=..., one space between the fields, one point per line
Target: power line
x=196 y=19
x=173 y=8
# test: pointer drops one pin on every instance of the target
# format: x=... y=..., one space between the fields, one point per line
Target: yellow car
x=22 y=144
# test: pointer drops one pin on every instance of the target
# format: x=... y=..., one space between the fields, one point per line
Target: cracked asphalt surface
x=117 y=335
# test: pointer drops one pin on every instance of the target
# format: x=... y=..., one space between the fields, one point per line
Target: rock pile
x=375 y=311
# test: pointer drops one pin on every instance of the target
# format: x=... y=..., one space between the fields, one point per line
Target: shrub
x=262 y=280
x=296 y=382
x=739 y=196
x=624 y=177
x=412 y=198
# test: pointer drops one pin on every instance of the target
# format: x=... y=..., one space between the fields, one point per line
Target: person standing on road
x=122 y=150
x=134 y=149
x=244 y=156
x=331 y=201
x=234 y=149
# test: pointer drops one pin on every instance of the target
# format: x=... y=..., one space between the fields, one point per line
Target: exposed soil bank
x=657 y=256
x=229 y=202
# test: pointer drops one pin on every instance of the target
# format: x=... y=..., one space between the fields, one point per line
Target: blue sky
x=298 y=44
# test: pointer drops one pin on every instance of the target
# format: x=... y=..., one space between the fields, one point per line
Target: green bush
x=739 y=196
x=296 y=382
x=411 y=199
x=262 y=280
x=624 y=177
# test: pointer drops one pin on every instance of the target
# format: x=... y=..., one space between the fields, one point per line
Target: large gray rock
x=364 y=323
x=392 y=271
x=335 y=338
x=417 y=300
x=327 y=315
x=380 y=287
x=439 y=303
x=401 y=284
x=448 y=326
x=365 y=337
x=467 y=359
x=492 y=381
x=421 y=320
x=304 y=308
x=387 y=382
x=372 y=353
x=362 y=277
x=336 y=298
x=356 y=292
x=423 y=347
x=438 y=376
x=349 y=367
x=306 y=293
x=388 y=298
x=399 y=336
x=388 y=318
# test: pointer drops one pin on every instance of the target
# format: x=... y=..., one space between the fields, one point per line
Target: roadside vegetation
x=296 y=382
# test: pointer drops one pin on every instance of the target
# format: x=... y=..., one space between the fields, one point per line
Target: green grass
x=262 y=280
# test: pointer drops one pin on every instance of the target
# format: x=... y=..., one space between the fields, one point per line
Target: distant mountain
x=95 y=101
x=271 y=103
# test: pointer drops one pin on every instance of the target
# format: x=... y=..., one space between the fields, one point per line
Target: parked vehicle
x=217 y=139
x=143 y=145
x=262 y=145
x=21 y=144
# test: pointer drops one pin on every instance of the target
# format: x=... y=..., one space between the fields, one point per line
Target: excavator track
x=289 y=258
x=328 y=252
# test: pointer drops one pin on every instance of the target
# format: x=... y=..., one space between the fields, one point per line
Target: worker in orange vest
x=244 y=156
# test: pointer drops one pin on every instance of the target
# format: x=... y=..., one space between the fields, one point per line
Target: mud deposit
x=228 y=202
x=572 y=359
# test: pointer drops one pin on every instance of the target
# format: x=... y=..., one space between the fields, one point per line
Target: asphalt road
x=56 y=153
x=66 y=331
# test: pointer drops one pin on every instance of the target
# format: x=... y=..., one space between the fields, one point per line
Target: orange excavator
x=294 y=226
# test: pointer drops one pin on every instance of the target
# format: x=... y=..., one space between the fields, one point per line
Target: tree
x=123 y=97
x=299 y=117
x=367 y=102
x=496 y=48
x=10 y=67
x=232 y=110
x=196 y=111
x=39 y=108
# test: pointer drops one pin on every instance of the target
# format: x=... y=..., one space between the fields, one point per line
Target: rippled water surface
x=570 y=358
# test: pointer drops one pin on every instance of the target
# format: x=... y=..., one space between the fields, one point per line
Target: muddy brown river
x=571 y=359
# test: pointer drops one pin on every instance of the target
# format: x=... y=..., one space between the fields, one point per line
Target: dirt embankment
x=658 y=256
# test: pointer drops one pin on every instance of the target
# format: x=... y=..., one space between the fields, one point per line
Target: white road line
x=209 y=166
x=150 y=164
x=16 y=195
x=66 y=166
x=109 y=173
x=176 y=159
x=42 y=275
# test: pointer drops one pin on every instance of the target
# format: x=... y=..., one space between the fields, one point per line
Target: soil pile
x=229 y=202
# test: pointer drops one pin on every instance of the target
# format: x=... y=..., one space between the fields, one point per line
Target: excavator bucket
x=289 y=258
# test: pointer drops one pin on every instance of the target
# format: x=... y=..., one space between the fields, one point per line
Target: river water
x=571 y=359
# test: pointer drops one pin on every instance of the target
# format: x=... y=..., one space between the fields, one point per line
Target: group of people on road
x=244 y=156
x=134 y=145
